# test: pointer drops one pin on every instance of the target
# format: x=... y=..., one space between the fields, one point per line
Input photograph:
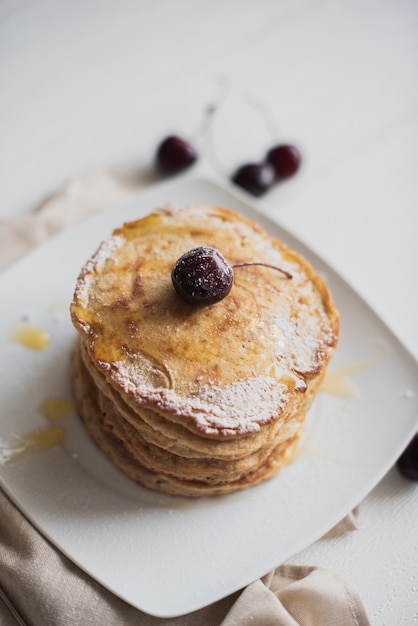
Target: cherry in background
x=256 y=178
x=281 y=162
x=175 y=154
x=285 y=159
x=408 y=461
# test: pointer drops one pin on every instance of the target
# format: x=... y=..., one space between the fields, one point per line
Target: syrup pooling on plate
x=56 y=408
x=338 y=382
x=31 y=337
x=39 y=440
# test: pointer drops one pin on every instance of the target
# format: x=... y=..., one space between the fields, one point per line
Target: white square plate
x=169 y=556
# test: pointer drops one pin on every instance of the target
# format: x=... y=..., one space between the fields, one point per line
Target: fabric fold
x=296 y=595
x=79 y=199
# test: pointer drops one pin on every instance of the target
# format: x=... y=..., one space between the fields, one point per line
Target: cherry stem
x=212 y=109
x=273 y=267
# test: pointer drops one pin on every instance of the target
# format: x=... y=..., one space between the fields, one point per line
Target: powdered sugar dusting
x=94 y=265
x=305 y=333
x=239 y=408
x=251 y=353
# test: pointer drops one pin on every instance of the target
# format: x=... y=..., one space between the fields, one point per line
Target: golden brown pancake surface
x=221 y=370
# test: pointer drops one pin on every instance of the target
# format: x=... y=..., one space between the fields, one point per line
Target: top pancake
x=221 y=370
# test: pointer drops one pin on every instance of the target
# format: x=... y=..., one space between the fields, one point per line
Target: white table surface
x=92 y=84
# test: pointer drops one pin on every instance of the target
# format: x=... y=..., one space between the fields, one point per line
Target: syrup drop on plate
x=31 y=337
x=56 y=408
x=36 y=441
x=338 y=382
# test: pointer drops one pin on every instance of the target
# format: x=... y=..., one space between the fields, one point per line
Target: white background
x=93 y=84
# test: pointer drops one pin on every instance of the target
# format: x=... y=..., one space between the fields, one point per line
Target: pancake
x=150 y=465
x=198 y=400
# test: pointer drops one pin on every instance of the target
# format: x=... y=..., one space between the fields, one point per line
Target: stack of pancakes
x=198 y=400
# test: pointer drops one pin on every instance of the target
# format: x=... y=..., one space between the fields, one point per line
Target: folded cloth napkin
x=80 y=198
x=39 y=586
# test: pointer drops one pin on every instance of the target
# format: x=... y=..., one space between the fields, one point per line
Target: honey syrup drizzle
x=41 y=439
x=56 y=408
x=53 y=408
x=31 y=337
x=36 y=441
x=339 y=383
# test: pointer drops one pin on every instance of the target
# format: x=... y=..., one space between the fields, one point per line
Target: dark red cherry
x=202 y=276
x=285 y=160
x=256 y=178
x=408 y=461
x=175 y=154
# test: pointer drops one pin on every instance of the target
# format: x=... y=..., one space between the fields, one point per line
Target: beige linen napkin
x=80 y=198
x=44 y=588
